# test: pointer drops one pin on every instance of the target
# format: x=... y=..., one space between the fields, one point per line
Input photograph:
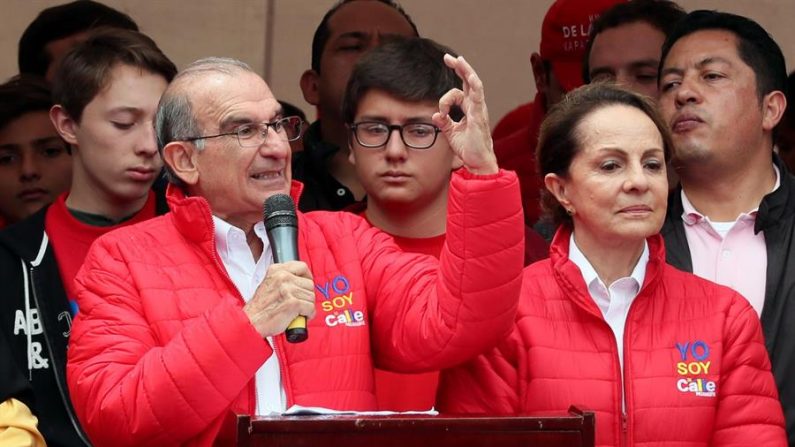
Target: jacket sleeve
x=748 y=412
x=488 y=384
x=430 y=315
x=122 y=379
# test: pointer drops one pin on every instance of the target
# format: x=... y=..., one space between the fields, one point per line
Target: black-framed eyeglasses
x=253 y=135
x=375 y=134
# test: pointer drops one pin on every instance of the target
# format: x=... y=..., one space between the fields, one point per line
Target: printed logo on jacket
x=338 y=303
x=29 y=327
x=693 y=369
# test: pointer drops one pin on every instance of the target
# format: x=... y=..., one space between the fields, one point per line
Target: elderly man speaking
x=182 y=318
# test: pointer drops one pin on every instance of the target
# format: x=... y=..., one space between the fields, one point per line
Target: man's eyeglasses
x=253 y=135
x=374 y=134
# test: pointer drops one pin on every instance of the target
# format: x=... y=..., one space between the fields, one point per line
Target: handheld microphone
x=281 y=225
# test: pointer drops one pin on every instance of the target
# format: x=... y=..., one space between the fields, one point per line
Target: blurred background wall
x=274 y=36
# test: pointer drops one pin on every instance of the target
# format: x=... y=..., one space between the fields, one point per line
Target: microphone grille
x=279 y=210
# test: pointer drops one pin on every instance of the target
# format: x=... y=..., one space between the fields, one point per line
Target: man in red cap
x=558 y=69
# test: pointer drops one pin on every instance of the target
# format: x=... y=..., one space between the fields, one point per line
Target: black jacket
x=12 y=383
x=310 y=167
x=36 y=319
x=776 y=218
x=45 y=336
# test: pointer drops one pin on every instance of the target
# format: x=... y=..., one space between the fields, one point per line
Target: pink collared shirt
x=729 y=253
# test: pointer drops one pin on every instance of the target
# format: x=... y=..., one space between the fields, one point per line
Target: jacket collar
x=24 y=238
x=779 y=204
x=192 y=214
x=316 y=149
x=774 y=209
x=571 y=279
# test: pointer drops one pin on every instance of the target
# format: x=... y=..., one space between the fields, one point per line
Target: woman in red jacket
x=661 y=356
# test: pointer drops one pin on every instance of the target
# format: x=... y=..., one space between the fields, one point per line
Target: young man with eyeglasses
x=105 y=93
x=404 y=163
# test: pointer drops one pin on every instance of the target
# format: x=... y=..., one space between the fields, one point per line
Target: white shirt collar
x=590 y=276
x=226 y=233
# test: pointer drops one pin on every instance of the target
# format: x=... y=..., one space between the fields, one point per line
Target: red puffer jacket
x=161 y=351
x=696 y=372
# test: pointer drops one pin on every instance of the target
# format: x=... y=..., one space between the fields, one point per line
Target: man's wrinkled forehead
x=220 y=86
x=212 y=93
x=702 y=46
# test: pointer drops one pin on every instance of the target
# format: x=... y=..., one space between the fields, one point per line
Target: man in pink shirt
x=722 y=83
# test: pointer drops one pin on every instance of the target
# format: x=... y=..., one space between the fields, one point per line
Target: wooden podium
x=575 y=429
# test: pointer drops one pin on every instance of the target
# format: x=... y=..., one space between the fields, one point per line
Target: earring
x=569 y=211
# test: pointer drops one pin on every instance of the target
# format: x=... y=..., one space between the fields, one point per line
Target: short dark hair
x=660 y=14
x=62 y=21
x=411 y=69
x=85 y=71
x=755 y=46
x=322 y=33
x=560 y=139
x=789 y=112
x=290 y=109
x=23 y=94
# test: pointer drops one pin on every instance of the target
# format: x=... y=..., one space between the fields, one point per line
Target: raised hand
x=469 y=138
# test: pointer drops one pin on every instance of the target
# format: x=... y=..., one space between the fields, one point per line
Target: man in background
x=35 y=166
x=105 y=93
x=58 y=28
x=557 y=69
x=347 y=31
x=785 y=132
x=626 y=41
x=732 y=220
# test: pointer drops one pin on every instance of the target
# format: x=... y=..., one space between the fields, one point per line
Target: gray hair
x=175 y=120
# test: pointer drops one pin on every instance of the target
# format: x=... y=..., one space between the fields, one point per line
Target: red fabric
x=427 y=245
x=536 y=247
x=513 y=121
x=564 y=36
x=71 y=238
x=517 y=152
x=406 y=392
x=562 y=352
x=161 y=350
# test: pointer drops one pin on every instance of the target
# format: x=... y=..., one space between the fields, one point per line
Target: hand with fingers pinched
x=469 y=138
x=286 y=292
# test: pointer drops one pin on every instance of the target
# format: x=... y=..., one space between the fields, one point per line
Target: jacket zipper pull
x=624 y=428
